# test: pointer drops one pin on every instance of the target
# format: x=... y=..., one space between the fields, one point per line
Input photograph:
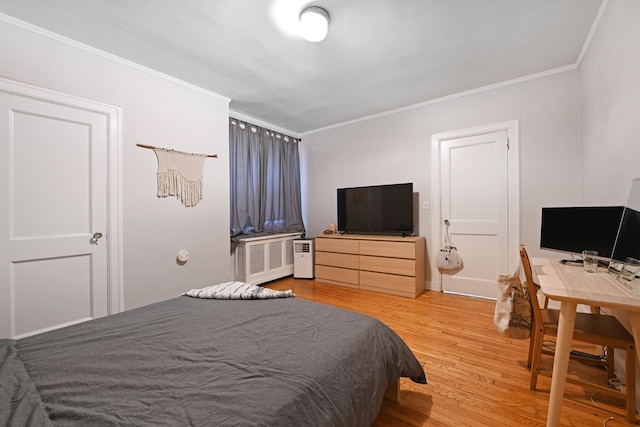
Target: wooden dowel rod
x=153 y=148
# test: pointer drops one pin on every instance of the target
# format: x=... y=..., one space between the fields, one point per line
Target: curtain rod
x=280 y=133
x=160 y=148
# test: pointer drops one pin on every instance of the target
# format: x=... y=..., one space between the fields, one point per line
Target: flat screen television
x=574 y=229
x=378 y=209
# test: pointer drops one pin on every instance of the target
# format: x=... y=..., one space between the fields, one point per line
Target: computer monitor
x=574 y=229
x=628 y=241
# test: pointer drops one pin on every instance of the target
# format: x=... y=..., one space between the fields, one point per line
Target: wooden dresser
x=389 y=264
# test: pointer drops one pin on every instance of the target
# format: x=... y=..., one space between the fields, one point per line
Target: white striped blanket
x=237 y=290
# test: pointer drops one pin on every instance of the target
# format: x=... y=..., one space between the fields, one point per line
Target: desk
x=572 y=286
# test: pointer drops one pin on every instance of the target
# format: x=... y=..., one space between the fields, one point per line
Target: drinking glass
x=590 y=261
x=630 y=269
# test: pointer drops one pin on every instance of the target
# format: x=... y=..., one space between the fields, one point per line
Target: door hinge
x=508 y=143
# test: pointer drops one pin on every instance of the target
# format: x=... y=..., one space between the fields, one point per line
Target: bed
x=206 y=362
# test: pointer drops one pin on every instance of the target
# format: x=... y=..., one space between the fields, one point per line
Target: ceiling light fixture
x=314 y=23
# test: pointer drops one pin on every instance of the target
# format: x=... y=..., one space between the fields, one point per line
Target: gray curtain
x=265 y=181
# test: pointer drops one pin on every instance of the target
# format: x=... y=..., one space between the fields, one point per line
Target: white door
x=53 y=184
x=474 y=197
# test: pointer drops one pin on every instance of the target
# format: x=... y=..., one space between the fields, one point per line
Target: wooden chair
x=597 y=329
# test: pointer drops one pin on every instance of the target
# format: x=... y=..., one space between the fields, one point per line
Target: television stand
x=389 y=264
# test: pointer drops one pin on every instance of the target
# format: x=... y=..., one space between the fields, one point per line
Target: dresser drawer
x=335 y=259
x=335 y=274
x=389 y=283
x=347 y=246
x=388 y=249
x=404 y=267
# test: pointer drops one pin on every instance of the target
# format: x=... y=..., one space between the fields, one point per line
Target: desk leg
x=634 y=319
x=561 y=360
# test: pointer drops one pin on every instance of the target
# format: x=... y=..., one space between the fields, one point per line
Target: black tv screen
x=628 y=241
x=574 y=229
x=381 y=209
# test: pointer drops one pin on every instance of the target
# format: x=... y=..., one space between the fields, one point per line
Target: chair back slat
x=532 y=288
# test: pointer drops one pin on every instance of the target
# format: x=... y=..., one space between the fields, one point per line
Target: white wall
x=396 y=148
x=155 y=111
x=610 y=106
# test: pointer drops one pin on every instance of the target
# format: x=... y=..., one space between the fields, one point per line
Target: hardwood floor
x=476 y=377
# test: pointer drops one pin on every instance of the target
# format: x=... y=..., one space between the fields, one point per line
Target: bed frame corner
x=393 y=391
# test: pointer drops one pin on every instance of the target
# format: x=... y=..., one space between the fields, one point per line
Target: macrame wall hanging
x=179 y=174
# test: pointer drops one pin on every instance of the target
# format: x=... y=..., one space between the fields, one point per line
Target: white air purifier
x=303 y=258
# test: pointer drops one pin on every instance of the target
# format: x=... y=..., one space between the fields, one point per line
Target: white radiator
x=264 y=258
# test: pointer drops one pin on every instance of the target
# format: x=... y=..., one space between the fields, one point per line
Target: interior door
x=474 y=198
x=53 y=183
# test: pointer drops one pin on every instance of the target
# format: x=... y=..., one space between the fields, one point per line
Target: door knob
x=94 y=239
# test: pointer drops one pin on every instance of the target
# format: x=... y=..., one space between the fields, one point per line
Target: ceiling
x=379 y=56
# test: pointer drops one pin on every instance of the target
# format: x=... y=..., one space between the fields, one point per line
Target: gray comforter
x=186 y=361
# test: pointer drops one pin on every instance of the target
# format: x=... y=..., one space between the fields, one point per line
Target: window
x=265 y=181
